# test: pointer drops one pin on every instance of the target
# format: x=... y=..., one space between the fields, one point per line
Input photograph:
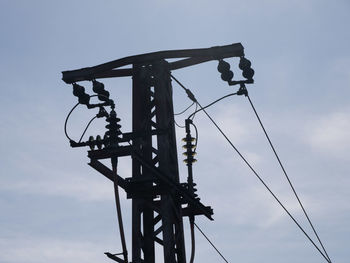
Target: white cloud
x=232 y=121
x=252 y=201
x=82 y=188
x=40 y=250
x=330 y=133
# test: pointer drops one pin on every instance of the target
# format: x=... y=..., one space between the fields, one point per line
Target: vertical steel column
x=142 y=215
x=153 y=111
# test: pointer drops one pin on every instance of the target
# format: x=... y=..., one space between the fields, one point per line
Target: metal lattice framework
x=159 y=200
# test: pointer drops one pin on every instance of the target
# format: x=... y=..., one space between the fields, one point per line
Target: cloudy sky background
x=55 y=208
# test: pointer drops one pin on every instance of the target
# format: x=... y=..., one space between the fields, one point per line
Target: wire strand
x=114 y=161
x=194 y=113
x=87 y=126
x=195 y=128
x=178 y=125
x=211 y=243
x=266 y=186
x=176 y=114
x=70 y=112
x=193 y=243
x=228 y=95
x=66 y=121
x=287 y=177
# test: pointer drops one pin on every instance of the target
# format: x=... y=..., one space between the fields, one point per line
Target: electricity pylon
x=159 y=200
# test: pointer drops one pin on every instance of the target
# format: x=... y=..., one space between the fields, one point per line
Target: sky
x=55 y=208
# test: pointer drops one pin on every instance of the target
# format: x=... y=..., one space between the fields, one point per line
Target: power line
x=268 y=188
x=210 y=104
x=178 y=125
x=192 y=97
x=287 y=177
x=66 y=121
x=211 y=243
x=68 y=116
x=194 y=113
x=176 y=114
x=87 y=126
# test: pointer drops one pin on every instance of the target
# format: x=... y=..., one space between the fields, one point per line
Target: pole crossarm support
x=188 y=57
x=100 y=167
x=110 y=152
x=169 y=185
x=178 y=189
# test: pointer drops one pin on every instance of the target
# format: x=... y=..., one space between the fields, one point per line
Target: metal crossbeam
x=192 y=57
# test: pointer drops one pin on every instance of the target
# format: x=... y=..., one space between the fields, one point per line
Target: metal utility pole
x=159 y=200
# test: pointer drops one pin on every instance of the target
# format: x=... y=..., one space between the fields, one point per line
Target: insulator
x=185 y=146
x=106 y=140
x=113 y=117
x=113 y=127
x=191 y=139
x=227 y=75
x=245 y=66
x=91 y=142
x=191 y=154
x=99 y=142
x=99 y=88
x=224 y=69
x=79 y=92
x=248 y=73
x=244 y=63
x=223 y=66
x=192 y=160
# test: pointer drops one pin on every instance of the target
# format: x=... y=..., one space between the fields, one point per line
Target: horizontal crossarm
x=189 y=57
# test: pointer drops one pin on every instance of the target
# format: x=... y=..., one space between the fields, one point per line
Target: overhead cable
x=194 y=113
x=211 y=243
x=66 y=121
x=176 y=114
x=68 y=116
x=87 y=126
x=178 y=125
x=210 y=104
x=193 y=242
x=192 y=97
x=287 y=177
x=118 y=208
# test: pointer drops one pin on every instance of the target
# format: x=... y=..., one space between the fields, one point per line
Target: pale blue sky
x=56 y=208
